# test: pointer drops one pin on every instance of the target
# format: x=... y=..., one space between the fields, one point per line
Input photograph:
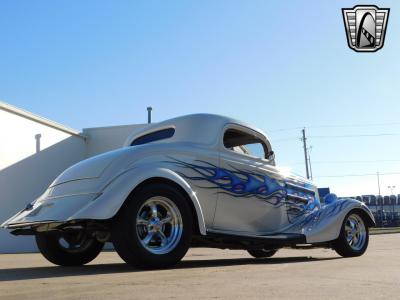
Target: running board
x=280 y=239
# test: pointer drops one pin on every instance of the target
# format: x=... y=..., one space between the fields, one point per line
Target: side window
x=244 y=143
x=154 y=136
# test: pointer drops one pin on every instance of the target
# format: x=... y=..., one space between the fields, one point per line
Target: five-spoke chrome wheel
x=159 y=225
x=355 y=232
x=354 y=235
x=154 y=229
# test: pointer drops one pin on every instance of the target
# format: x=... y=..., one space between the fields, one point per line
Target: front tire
x=154 y=228
x=262 y=253
x=354 y=236
x=68 y=249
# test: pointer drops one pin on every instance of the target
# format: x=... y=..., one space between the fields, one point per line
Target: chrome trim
x=290 y=184
x=30 y=224
x=95 y=195
x=297 y=197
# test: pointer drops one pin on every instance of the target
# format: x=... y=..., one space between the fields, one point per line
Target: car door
x=252 y=196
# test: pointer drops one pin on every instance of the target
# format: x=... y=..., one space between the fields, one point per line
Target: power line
x=356 y=175
x=356 y=161
x=336 y=126
x=286 y=129
x=307 y=161
x=356 y=125
x=353 y=135
x=285 y=139
x=349 y=161
x=338 y=136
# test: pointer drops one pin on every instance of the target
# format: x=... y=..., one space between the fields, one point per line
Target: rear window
x=154 y=136
x=244 y=143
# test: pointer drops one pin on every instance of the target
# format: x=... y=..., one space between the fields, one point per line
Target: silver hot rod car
x=198 y=180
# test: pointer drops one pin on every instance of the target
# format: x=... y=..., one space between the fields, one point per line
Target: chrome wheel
x=355 y=232
x=159 y=225
x=68 y=249
x=75 y=243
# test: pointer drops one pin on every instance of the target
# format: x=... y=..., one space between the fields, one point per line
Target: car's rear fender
x=116 y=192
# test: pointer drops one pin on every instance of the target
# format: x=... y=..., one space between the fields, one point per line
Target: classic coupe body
x=197 y=180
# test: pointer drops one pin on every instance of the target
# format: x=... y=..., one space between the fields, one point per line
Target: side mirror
x=271 y=155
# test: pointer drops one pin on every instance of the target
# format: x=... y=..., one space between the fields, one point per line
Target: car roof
x=196 y=128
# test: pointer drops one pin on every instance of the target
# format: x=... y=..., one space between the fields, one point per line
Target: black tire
x=126 y=238
x=51 y=247
x=262 y=253
x=342 y=246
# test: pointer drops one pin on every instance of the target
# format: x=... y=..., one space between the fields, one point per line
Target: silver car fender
x=117 y=191
x=324 y=225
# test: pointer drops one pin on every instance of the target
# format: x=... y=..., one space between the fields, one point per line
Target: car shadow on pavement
x=15 y=274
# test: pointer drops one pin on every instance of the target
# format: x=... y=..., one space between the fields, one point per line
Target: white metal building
x=33 y=151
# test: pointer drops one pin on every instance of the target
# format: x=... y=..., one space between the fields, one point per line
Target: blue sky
x=280 y=65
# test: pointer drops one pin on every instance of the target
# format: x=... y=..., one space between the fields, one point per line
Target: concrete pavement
x=213 y=274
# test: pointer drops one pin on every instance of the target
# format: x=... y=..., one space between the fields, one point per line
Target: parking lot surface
x=213 y=274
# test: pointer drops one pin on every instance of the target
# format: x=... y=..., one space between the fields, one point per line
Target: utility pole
x=305 y=151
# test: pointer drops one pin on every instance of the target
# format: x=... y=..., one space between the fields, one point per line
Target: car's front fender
x=324 y=225
x=117 y=191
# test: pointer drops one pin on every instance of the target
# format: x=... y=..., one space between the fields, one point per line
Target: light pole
x=379 y=184
x=379 y=198
x=391 y=188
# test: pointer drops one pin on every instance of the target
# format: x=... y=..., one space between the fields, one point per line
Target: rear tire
x=78 y=251
x=262 y=253
x=154 y=228
x=354 y=236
